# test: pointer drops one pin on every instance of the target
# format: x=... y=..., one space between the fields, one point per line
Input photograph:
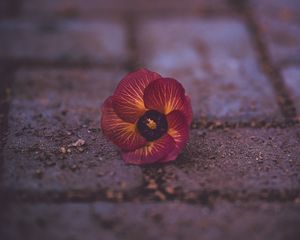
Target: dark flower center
x=152 y=125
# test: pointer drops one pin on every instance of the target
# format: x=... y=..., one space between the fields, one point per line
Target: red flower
x=148 y=117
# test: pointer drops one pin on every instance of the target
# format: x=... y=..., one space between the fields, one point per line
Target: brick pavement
x=153 y=221
x=221 y=75
x=239 y=176
x=63 y=41
x=279 y=24
x=92 y=8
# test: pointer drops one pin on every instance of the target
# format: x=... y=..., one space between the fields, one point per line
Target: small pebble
x=160 y=195
x=152 y=185
x=79 y=143
x=170 y=190
x=39 y=173
x=63 y=150
x=73 y=167
x=81 y=149
x=109 y=194
x=100 y=174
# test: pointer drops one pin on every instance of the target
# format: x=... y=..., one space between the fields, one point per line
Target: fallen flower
x=147 y=117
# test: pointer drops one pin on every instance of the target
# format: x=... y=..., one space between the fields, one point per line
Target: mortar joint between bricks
x=284 y=101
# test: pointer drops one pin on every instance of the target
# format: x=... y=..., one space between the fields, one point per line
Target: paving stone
x=6 y=8
x=166 y=221
x=54 y=144
x=63 y=41
x=291 y=77
x=279 y=21
x=241 y=163
x=215 y=61
x=51 y=110
x=92 y=8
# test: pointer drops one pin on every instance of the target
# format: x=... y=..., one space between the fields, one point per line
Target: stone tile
x=50 y=110
x=291 y=77
x=241 y=163
x=63 y=41
x=215 y=61
x=152 y=221
x=7 y=8
x=279 y=21
x=92 y=8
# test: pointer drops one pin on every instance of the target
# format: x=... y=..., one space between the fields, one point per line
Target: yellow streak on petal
x=140 y=105
x=171 y=105
x=173 y=133
x=148 y=148
x=168 y=107
x=129 y=131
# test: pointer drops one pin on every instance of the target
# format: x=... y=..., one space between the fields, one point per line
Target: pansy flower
x=147 y=117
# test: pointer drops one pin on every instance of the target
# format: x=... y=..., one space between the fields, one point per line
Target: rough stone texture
x=63 y=41
x=215 y=61
x=152 y=221
x=291 y=77
x=279 y=21
x=52 y=109
x=242 y=162
x=92 y=8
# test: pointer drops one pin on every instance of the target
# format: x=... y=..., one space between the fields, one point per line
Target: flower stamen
x=151 y=124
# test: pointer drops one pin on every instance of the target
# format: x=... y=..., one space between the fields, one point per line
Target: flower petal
x=125 y=135
x=179 y=131
x=164 y=95
x=128 y=97
x=152 y=152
